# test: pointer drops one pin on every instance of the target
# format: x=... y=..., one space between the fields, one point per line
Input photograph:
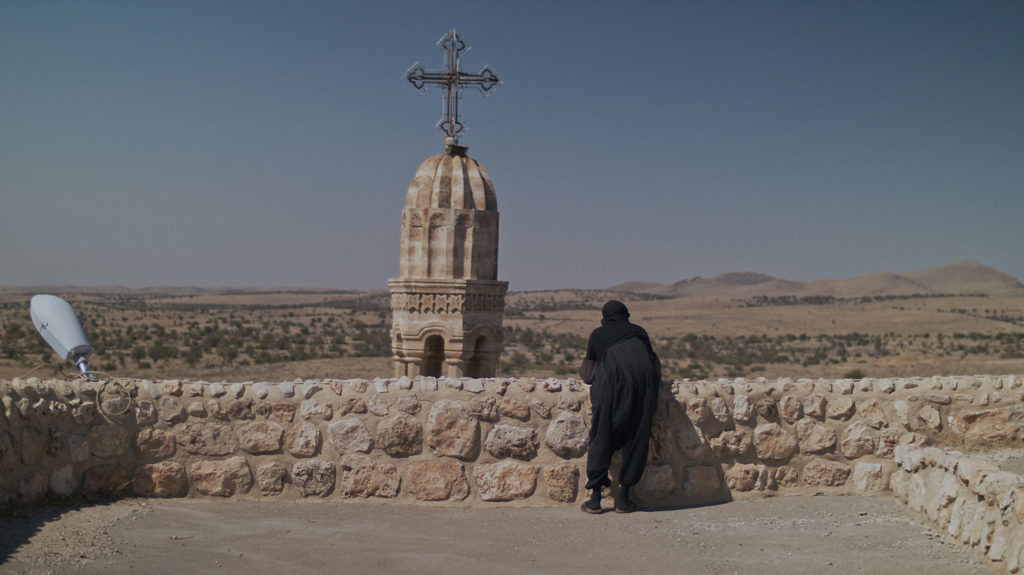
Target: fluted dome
x=450 y=222
x=451 y=181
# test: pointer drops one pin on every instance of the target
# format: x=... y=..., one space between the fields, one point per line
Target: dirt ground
x=776 y=535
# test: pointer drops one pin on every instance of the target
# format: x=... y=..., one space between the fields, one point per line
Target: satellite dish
x=56 y=321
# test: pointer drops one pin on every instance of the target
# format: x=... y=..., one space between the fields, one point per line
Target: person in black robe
x=624 y=374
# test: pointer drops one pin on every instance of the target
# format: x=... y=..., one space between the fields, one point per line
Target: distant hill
x=965 y=277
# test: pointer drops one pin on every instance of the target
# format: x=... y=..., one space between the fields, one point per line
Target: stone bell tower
x=447 y=303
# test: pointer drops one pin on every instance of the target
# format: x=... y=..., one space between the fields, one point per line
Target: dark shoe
x=627 y=507
x=592 y=510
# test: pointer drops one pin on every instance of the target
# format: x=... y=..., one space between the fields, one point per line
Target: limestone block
x=207 y=438
x=552 y=386
x=410 y=403
x=78 y=447
x=287 y=389
x=260 y=436
x=773 y=442
x=108 y=440
x=514 y=408
x=766 y=408
x=171 y=411
x=316 y=411
x=886 y=386
x=352 y=405
x=657 y=482
x=84 y=414
x=567 y=435
x=742 y=408
x=997 y=550
x=1000 y=424
x=720 y=410
x=163 y=479
x=240 y=409
x=814 y=406
x=570 y=401
x=282 y=412
x=843 y=386
x=451 y=383
x=400 y=434
x=362 y=476
x=32 y=487
x=856 y=440
x=505 y=480
x=305 y=441
x=440 y=480
x=872 y=414
x=786 y=476
x=840 y=408
x=145 y=412
x=869 y=477
x=196 y=409
x=702 y=481
x=63 y=481
x=887 y=441
x=105 y=479
x=270 y=478
x=452 y=430
x=377 y=405
x=698 y=411
x=898 y=484
x=349 y=435
x=314 y=477
x=1015 y=552
x=154 y=443
x=172 y=387
x=221 y=478
x=824 y=473
x=814 y=437
x=540 y=407
x=790 y=408
x=998 y=488
x=526 y=385
x=735 y=443
x=743 y=476
x=31 y=445
x=506 y=440
x=215 y=411
x=960 y=510
x=563 y=481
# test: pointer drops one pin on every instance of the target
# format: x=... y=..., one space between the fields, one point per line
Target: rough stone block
x=814 y=437
x=742 y=408
x=171 y=411
x=305 y=441
x=514 y=408
x=505 y=480
x=702 y=481
x=735 y=443
x=270 y=478
x=743 y=476
x=361 y=476
x=314 y=477
x=824 y=473
x=506 y=440
x=154 y=443
x=108 y=440
x=857 y=440
x=221 y=478
x=452 y=430
x=773 y=442
x=163 y=479
x=349 y=435
x=260 y=436
x=400 y=434
x=840 y=408
x=240 y=409
x=567 y=435
x=790 y=408
x=563 y=481
x=207 y=438
x=440 y=480
x=869 y=477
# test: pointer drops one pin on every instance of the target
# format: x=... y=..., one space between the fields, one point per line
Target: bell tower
x=447 y=304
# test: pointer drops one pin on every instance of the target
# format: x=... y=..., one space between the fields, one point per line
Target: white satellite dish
x=56 y=321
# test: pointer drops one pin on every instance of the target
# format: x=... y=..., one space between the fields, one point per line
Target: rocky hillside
x=965 y=277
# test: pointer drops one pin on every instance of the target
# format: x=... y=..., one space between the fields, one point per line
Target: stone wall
x=967 y=499
x=469 y=441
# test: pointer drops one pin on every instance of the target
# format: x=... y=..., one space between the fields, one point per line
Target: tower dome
x=450 y=221
x=447 y=303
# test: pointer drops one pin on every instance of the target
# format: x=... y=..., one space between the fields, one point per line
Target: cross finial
x=452 y=79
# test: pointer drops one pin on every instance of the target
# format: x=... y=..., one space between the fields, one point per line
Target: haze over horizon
x=271 y=144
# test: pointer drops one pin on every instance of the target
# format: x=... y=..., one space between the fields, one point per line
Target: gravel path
x=776 y=535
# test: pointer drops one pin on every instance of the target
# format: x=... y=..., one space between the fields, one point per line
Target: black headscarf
x=615 y=327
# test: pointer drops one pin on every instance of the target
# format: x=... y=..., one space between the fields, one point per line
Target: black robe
x=624 y=373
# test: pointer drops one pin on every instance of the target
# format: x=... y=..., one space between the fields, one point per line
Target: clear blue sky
x=266 y=143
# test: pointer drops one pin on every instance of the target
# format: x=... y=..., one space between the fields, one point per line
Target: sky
x=270 y=143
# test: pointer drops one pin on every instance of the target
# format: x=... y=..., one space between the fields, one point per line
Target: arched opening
x=433 y=356
x=478 y=365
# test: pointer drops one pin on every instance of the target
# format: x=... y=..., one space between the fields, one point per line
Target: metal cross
x=452 y=79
